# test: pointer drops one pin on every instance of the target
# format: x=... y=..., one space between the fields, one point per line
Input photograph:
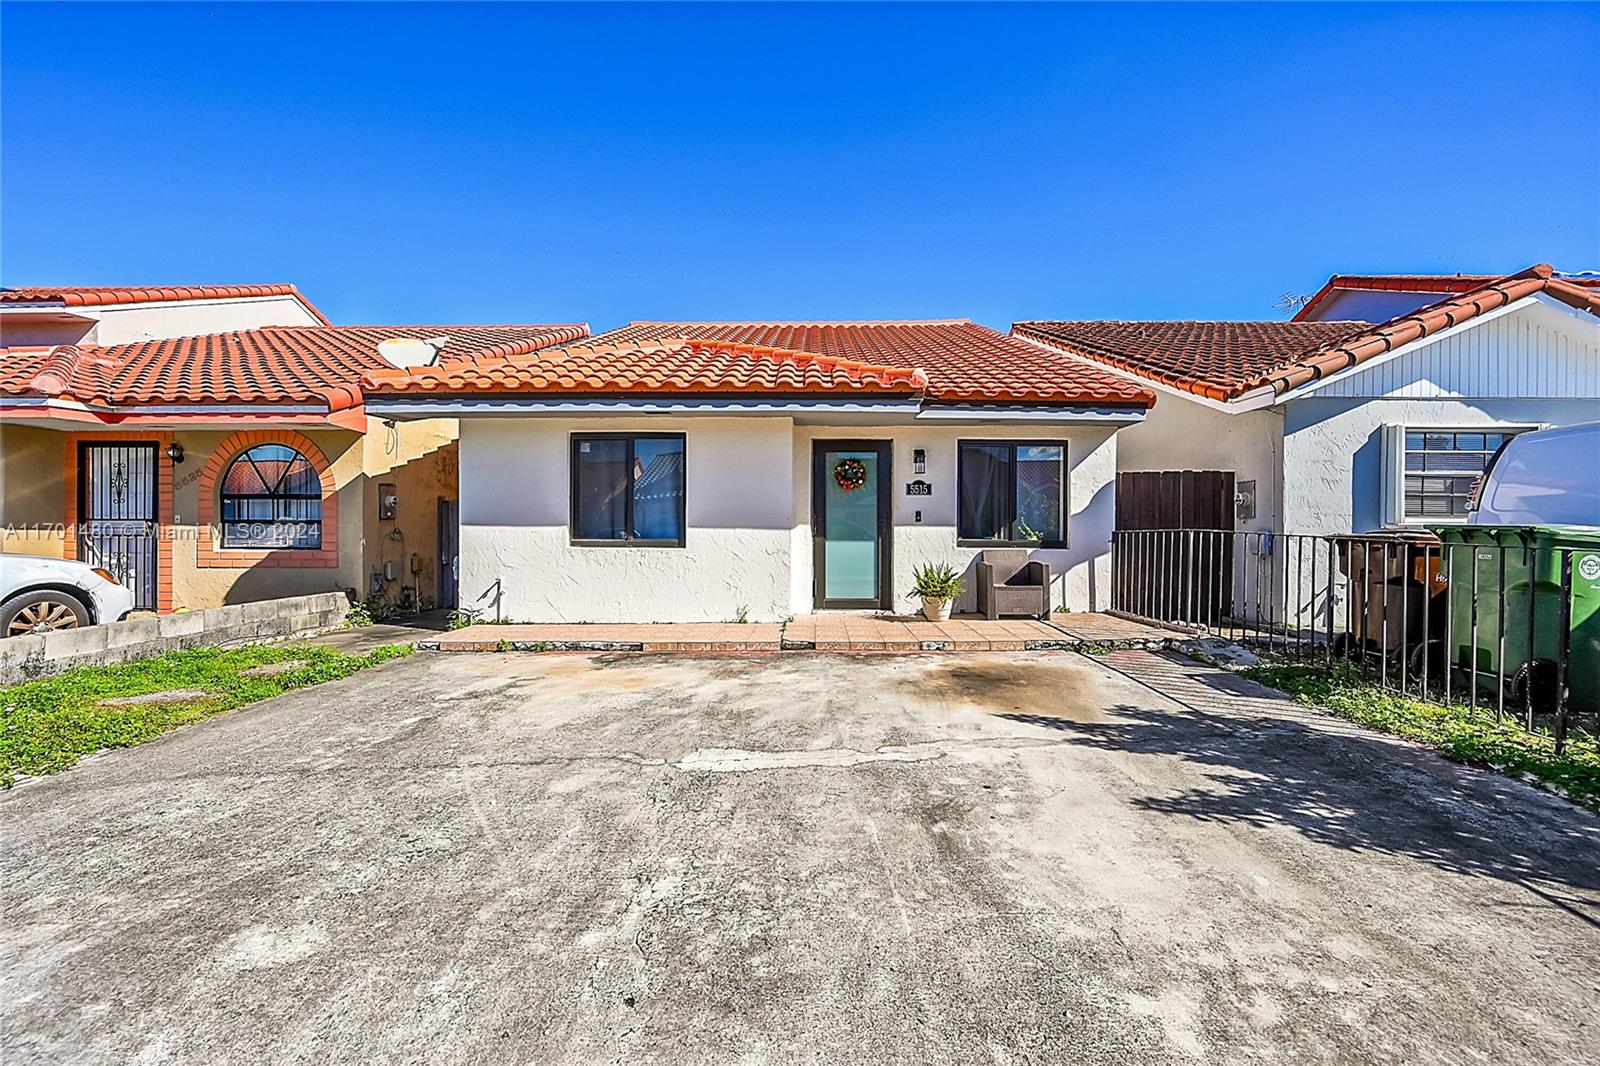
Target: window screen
x=1441 y=467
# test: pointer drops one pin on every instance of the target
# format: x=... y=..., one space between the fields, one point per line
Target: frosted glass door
x=850 y=548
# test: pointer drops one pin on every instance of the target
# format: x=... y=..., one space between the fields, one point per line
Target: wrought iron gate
x=117 y=514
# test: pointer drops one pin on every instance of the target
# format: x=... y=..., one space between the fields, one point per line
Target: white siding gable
x=1535 y=351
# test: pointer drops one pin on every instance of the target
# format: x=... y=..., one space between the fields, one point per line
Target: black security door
x=117 y=510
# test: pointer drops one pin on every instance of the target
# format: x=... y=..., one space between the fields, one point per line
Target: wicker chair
x=1008 y=583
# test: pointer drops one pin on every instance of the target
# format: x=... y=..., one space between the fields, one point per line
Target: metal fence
x=1483 y=624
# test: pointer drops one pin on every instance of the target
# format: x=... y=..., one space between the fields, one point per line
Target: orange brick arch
x=211 y=551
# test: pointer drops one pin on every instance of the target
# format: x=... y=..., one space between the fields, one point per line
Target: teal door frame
x=819 y=523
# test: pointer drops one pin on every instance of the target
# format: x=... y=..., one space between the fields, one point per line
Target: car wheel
x=43 y=611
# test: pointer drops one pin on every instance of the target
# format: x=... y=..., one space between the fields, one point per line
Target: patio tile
x=826 y=632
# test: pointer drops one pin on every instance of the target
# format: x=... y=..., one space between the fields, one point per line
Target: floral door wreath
x=850 y=474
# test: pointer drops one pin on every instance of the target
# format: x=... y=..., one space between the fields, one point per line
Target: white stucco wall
x=1537 y=363
x=1333 y=448
x=1081 y=572
x=1179 y=434
x=148 y=321
x=748 y=511
x=515 y=505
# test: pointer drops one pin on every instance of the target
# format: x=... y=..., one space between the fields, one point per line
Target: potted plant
x=937 y=585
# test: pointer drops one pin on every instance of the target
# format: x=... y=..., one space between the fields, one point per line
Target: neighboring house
x=1324 y=425
x=103 y=314
x=1380 y=297
x=682 y=471
x=240 y=465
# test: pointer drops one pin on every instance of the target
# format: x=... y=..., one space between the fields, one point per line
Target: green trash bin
x=1532 y=618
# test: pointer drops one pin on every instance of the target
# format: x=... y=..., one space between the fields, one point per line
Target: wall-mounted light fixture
x=919 y=460
x=175 y=453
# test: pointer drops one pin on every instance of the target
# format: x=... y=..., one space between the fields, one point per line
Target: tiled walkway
x=612 y=636
x=822 y=632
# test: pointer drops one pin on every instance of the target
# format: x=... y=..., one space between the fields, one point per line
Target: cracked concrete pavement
x=1001 y=858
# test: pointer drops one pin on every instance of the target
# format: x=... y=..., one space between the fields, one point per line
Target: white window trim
x=1392 y=483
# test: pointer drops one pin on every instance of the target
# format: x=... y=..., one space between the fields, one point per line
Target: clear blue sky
x=604 y=163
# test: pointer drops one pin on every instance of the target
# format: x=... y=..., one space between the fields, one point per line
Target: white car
x=1547 y=478
x=38 y=595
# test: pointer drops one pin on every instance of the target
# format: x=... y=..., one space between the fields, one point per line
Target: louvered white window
x=1430 y=472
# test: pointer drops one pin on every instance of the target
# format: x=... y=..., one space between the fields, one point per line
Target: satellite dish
x=412 y=351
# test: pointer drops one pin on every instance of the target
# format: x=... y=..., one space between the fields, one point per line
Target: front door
x=850 y=524
x=449 y=550
x=117 y=511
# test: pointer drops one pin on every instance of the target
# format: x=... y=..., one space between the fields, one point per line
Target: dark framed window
x=271 y=498
x=628 y=488
x=1012 y=492
x=1441 y=468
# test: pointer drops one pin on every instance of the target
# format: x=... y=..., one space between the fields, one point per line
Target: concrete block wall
x=40 y=655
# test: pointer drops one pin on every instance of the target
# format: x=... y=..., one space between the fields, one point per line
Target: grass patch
x=47 y=725
x=1460 y=733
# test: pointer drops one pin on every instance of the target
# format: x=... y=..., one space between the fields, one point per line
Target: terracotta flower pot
x=935 y=610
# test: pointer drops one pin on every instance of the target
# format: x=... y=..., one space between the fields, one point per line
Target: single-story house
x=1325 y=425
x=684 y=471
x=239 y=465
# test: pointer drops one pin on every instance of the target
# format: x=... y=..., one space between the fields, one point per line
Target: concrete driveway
x=1008 y=857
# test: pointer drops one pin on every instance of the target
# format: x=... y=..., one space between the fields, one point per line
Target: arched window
x=271 y=498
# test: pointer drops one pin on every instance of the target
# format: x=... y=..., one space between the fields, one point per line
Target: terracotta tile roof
x=964 y=362
x=1440 y=283
x=108 y=295
x=1224 y=360
x=275 y=364
x=671 y=367
x=1217 y=359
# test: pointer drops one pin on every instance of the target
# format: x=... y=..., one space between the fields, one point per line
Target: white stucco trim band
x=44 y=310
x=87 y=311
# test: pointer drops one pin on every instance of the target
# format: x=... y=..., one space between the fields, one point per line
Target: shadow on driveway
x=1356 y=790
